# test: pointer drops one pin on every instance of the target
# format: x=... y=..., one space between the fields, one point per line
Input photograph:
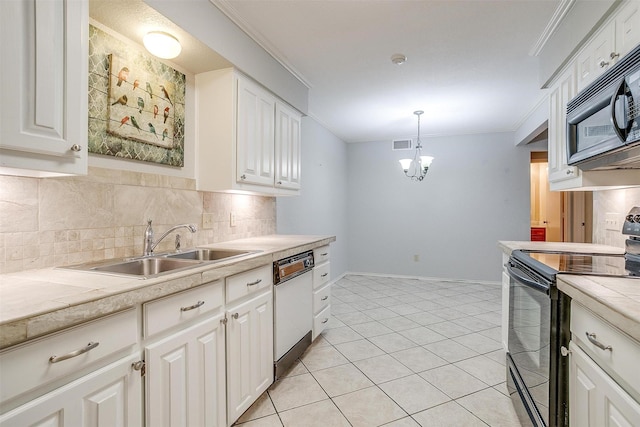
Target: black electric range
x=623 y=265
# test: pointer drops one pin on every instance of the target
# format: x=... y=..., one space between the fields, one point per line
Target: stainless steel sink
x=146 y=266
x=210 y=254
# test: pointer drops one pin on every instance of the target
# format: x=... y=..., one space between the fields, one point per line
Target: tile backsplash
x=616 y=203
x=48 y=222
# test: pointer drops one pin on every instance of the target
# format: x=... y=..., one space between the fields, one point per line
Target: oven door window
x=529 y=340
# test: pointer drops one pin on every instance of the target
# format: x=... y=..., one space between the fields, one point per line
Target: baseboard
x=401 y=276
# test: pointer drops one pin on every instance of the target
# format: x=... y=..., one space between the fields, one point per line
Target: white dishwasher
x=293 y=311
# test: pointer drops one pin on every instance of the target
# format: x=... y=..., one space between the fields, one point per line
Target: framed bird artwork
x=136 y=102
x=141 y=103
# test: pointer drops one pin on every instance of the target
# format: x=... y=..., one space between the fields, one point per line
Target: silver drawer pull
x=89 y=347
x=324 y=254
x=325 y=320
x=325 y=275
x=192 y=307
x=254 y=283
x=325 y=298
x=592 y=338
x=235 y=315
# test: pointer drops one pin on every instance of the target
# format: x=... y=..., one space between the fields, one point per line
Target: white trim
x=226 y=7
x=402 y=276
x=558 y=16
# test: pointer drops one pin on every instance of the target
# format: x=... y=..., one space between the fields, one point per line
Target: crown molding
x=556 y=19
x=230 y=12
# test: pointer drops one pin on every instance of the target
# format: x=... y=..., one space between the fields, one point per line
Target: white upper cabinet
x=247 y=138
x=287 y=147
x=43 y=81
x=256 y=137
x=613 y=40
x=609 y=44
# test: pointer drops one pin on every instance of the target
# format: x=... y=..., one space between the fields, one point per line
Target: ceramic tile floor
x=397 y=353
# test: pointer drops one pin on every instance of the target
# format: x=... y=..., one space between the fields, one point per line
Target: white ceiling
x=468 y=66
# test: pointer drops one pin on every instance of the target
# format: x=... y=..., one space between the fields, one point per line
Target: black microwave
x=603 y=120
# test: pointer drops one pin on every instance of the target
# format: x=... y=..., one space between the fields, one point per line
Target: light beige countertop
x=616 y=299
x=37 y=302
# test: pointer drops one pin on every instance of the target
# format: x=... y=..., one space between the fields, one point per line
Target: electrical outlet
x=232 y=219
x=611 y=221
x=416 y=258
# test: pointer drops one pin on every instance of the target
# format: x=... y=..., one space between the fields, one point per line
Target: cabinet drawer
x=248 y=282
x=31 y=365
x=172 y=310
x=321 y=254
x=321 y=298
x=621 y=362
x=320 y=321
x=321 y=275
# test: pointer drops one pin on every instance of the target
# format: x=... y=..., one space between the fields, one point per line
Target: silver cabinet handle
x=279 y=182
x=326 y=319
x=192 y=307
x=324 y=254
x=603 y=64
x=592 y=339
x=570 y=172
x=325 y=298
x=614 y=55
x=234 y=315
x=254 y=283
x=243 y=176
x=325 y=275
x=88 y=347
x=76 y=147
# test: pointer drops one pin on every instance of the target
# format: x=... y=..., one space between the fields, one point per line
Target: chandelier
x=417 y=168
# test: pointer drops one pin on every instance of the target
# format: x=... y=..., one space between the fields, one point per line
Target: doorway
x=557 y=216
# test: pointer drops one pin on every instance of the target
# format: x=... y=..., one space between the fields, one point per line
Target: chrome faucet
x=150 y=245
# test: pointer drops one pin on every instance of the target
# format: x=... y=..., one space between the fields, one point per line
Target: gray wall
x=322 y=206
x=476 y=193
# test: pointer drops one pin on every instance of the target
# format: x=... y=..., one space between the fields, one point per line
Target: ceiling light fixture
x=398 y=58
x=419 y=165
x=161 y=44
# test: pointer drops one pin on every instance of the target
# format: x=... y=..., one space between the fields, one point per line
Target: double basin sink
x=152 y=266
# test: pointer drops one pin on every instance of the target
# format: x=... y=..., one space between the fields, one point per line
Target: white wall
x=322 y=206
x=476 y=193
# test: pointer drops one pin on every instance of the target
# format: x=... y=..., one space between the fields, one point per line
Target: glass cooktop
x=593 y=264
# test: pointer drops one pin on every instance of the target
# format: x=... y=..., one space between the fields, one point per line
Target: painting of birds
x=149 y=90
x=155 y=111
x=153 y=130
x=140 y=104
x=134 y=122
x=165 y=132
x=124 y=120
x=123 y=75
x=136 y=83
x=166 y=94
x=166 y=114
x=122 y=100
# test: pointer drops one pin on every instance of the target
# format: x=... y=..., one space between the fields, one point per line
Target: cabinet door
x=186 y=377
x=627 y=24
x=249 y=352
x=595 y=399
x=43 y=81
x=595 y=58
x=255 y=135
x=561 y=93
x=287 y=147
x=108 y=397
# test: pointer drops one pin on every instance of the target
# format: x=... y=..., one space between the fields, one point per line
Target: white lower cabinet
x=108 y=397
x=249 y=352
x=595 y=399
x=604 y=381
x=186 y=377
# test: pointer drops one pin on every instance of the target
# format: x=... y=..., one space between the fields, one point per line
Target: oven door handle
x=524 y=279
